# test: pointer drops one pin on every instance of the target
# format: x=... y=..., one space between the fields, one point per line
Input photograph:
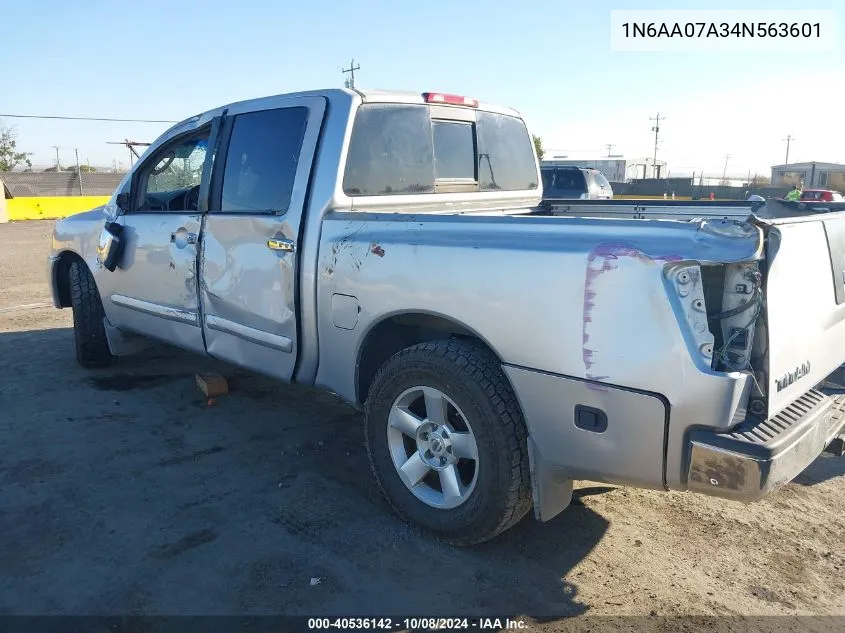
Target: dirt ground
x=122 y=492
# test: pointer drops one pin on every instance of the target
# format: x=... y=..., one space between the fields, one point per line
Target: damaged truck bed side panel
x=564 y=302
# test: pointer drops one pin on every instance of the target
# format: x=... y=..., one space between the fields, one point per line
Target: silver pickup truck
x=391 y=248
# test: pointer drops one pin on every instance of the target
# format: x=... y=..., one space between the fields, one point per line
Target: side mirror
x=122 y=200
x=110 y=246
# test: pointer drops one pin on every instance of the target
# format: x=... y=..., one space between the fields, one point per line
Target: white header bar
x=722 y=31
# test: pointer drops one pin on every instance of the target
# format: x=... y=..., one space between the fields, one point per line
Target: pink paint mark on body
x=602 y=259
x=375 y=249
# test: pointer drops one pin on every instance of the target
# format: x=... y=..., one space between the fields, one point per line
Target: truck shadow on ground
x=261 y=504
x=825 y=467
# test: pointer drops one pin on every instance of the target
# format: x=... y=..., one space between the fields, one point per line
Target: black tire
x=89 y=332
x=471 y=376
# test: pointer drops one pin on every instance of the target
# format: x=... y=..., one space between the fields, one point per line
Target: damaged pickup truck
x=391 y=248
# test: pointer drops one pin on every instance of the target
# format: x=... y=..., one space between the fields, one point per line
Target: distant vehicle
x=821 y=195
x=817 y=201
x=575 y=183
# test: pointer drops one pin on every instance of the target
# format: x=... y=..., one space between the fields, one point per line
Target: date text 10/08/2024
x=412 y=624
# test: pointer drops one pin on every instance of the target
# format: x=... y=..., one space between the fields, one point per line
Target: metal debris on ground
x=316 y=581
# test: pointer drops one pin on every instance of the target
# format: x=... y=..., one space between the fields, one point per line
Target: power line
x=84 y=118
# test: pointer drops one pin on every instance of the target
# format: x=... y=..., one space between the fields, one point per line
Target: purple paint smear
x=602 y=259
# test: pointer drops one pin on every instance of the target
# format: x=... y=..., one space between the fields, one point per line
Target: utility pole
x=131 y=145
x=656 y=130
x=78 y=172
x=789 y=138
x=58 y=166
x=609 y=147
x=725 y=170
x=350 y=83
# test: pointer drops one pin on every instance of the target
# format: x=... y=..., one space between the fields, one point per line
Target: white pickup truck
x=391 y=248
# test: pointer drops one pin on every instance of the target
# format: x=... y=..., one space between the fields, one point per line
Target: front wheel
x=89 y=332
x=447 y=441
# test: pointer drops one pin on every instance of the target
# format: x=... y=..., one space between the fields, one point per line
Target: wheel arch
x=61 y=277
x=397 y=331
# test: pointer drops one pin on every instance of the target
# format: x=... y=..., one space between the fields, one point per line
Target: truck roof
x=366 y=96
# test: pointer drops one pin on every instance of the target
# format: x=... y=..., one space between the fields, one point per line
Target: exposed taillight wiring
x=756 y=299
x=722 y=354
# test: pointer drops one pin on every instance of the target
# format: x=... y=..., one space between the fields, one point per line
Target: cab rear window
x=400 y=149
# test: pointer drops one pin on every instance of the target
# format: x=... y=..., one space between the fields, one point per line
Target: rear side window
x=262 y=159
x=399 y=149
x=391 y=152
x=505 y=154
x=599 y=180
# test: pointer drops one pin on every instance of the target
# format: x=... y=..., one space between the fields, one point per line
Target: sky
x=550 y=59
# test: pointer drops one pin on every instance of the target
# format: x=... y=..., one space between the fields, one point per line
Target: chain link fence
x=36 y=184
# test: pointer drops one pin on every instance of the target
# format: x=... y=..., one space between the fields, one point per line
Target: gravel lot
x=123 y=492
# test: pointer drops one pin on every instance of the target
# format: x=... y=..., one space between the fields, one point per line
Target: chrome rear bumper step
x=758 y=456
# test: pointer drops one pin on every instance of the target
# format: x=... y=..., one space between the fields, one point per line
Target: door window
x=262 y=159
x=170 y=181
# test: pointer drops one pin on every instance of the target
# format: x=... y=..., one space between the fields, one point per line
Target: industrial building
x=614 y=168
x=814 y=175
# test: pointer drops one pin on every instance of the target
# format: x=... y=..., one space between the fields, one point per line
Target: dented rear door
x=805 y=304
x=249 y=259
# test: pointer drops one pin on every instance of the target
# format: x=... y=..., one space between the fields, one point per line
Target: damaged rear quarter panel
x=575 y=297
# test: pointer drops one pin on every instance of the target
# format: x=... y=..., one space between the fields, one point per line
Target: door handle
x=187 y=238
x=285 y=246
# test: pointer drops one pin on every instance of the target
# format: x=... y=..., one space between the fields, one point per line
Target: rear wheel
x=89 y=332
x=447 y=441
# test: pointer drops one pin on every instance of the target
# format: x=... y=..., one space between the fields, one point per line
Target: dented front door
x=154 y=292
x=154 y=289
x=249 y=254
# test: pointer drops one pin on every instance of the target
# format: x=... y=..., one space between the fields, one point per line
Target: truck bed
x=664 y=209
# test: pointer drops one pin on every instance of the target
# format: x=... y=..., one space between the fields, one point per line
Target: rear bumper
x=758 y=457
